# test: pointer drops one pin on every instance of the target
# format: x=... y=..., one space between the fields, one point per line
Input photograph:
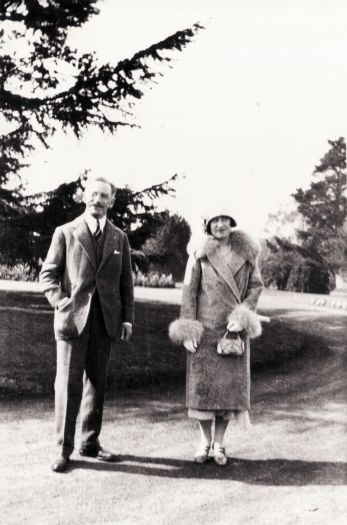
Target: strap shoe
x=220 y=456
x=201 y=455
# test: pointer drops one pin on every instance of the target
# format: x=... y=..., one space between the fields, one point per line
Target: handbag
x=231 y=344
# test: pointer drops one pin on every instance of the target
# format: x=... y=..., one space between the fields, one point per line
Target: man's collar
x=91 y=222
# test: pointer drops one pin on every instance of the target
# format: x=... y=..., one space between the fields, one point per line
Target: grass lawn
x=27 y=346
x=291 y=468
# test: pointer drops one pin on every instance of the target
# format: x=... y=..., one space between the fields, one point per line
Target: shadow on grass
x=304 y=355
x=276 y=472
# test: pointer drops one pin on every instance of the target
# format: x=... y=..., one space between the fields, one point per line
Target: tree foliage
x=166 y=249
x=46 y=85
x=287 y=266
x=310 y=264
x=324 y=205
x=26 y=234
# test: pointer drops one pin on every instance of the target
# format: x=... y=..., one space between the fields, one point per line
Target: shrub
x=286 y=266
x=276 y=270
x=153 y=280
x=17 y=272
x=309 y=276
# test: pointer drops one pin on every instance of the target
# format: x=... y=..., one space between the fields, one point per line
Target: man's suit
x=89 y=284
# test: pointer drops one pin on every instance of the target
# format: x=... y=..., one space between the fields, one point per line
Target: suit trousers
x=80 y=382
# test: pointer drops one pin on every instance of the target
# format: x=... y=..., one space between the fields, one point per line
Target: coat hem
x=240 y=417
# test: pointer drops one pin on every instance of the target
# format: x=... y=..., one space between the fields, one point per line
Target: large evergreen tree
x=166 y=248
x=46 y=86
x=324 y=207
x=310 y=263
x=26 y=233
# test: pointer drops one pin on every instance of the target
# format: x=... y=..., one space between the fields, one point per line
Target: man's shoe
x=60 y=464
x=100 y=454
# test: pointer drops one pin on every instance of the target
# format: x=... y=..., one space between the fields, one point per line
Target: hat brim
x=233 y=223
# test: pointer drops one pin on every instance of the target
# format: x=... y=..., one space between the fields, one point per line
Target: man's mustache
x=96 y=204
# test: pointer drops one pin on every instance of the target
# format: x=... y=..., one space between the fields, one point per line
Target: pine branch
x=48 y=17
x=157 y=189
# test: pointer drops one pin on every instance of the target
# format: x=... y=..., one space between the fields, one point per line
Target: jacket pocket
x=65 y=322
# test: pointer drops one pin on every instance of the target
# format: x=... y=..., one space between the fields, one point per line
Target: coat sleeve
x=53 y=269
x=245 y=313
x=187 y=327
x=254 y=288
x=126 y=284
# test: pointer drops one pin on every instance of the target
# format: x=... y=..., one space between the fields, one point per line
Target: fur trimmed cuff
x=182 y=330
x=248 y=319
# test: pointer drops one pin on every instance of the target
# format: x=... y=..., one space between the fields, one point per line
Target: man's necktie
x=98 y=232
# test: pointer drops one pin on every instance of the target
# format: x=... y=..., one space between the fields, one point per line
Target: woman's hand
x=190 y=345
x=234 y=326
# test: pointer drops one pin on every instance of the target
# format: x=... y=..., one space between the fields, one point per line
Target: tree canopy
x=166 y=248
x=26 y=234
x=324 y=206
x=45 y=85
x=310 y=264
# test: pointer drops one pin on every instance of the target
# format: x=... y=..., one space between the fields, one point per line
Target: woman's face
x=220 y=227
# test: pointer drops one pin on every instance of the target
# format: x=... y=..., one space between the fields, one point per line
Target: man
x=87 y=278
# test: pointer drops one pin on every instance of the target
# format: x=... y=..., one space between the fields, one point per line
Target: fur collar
x=239 y=241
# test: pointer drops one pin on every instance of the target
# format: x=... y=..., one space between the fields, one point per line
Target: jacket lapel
x=83 y=235
x=111 y=243
x=235 y=262
x=226 y=269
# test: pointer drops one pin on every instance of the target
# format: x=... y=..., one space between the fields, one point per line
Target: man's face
x=98 y=198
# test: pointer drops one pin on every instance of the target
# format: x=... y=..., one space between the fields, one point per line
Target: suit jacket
x=70 y=276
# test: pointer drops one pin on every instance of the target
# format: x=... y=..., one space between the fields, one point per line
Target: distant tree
x=166 y=249
x=26 y=234
x=45 y=85
x=324 y=208
x=287 y=266
x=309 y=261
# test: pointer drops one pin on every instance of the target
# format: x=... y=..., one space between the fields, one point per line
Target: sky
x=243 y=116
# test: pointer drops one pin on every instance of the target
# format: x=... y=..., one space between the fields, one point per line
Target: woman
x=221 y=290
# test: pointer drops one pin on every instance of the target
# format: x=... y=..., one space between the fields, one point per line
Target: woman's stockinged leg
x=201 y=455
x=218 y=445
x=205 y=432
x=219 y=430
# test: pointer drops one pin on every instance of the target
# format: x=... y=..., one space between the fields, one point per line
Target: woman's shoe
x=219 y=455
x=201 y=455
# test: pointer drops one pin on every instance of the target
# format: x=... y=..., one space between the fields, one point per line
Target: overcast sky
x=245 y=113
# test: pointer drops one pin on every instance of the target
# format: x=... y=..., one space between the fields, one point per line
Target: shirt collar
x=91 y=222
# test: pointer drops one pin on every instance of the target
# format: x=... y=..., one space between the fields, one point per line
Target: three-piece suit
x=89 y=284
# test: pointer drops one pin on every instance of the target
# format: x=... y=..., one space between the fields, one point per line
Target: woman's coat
x=217 y=288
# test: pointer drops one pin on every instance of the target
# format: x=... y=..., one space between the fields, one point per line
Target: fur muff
x=182 y=330
x=239 y=241
x=248 y=319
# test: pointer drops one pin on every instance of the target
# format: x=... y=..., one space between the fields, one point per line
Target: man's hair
x=101 y=178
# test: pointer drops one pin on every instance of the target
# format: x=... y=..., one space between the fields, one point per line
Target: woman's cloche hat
x=217 y=211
